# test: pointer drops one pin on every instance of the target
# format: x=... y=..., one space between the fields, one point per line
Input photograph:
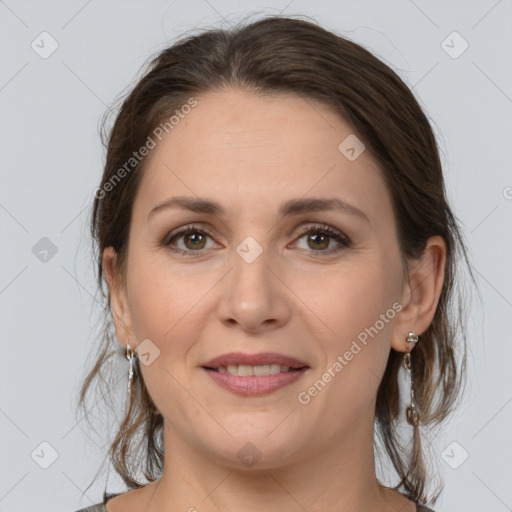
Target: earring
x=413 y=416
x=129 y=356
x=411 y=338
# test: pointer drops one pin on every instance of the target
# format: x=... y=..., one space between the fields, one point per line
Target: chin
x=258 y=446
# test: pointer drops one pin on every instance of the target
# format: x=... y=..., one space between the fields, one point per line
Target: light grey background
x=51 y=162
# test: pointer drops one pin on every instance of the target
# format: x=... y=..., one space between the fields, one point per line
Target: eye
x=194 y=239
x=319 y=237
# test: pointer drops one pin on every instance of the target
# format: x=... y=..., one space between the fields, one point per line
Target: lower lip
x=254 y=386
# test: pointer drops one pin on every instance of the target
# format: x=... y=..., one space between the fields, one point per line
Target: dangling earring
x=413 y=416
x=130 y=356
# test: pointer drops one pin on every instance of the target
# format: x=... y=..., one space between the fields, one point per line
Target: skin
x=251 y=153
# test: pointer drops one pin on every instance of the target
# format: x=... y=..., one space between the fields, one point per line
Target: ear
x=118 y=298
x=420 y=294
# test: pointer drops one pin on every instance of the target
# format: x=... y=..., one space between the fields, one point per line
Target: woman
x=273 y=228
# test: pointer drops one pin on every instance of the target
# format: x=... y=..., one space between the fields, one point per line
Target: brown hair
x=293 y=56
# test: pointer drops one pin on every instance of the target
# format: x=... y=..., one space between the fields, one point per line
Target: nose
x=253 y=295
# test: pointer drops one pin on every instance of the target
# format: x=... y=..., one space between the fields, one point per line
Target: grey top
x=100 y=507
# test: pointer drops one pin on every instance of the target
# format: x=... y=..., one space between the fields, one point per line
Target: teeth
x=244 y=370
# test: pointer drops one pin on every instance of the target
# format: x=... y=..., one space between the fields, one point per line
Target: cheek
x=361 y=316
x=158 y=299
x=151 y=303
x=359 y=305
x=167 y=307
x=162 y=310
x=349 y=299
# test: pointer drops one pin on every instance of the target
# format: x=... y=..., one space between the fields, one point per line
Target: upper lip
x=237 y=358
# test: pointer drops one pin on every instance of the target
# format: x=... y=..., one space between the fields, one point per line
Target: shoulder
x=99 y=507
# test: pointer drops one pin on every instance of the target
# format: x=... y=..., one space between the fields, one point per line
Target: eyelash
x=318 y=229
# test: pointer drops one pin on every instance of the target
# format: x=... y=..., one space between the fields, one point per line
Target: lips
x=263 y=358
x=254 y=374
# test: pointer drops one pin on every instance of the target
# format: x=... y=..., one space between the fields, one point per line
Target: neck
x=338 y=475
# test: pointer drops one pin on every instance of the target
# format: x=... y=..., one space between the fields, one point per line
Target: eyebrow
x=291 y=207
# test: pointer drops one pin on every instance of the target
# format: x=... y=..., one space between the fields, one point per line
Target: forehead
x=249 y=149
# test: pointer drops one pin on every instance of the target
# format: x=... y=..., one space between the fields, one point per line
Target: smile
x=245 y=370
x=254 y=380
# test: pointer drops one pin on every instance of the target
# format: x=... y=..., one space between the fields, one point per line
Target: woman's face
x=250 y=280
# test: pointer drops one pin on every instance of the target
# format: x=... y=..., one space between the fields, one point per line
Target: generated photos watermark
x=304 y=397
x=137 y=156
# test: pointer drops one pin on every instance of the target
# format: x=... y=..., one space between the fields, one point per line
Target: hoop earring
x=413 y=416
x=130 y=355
